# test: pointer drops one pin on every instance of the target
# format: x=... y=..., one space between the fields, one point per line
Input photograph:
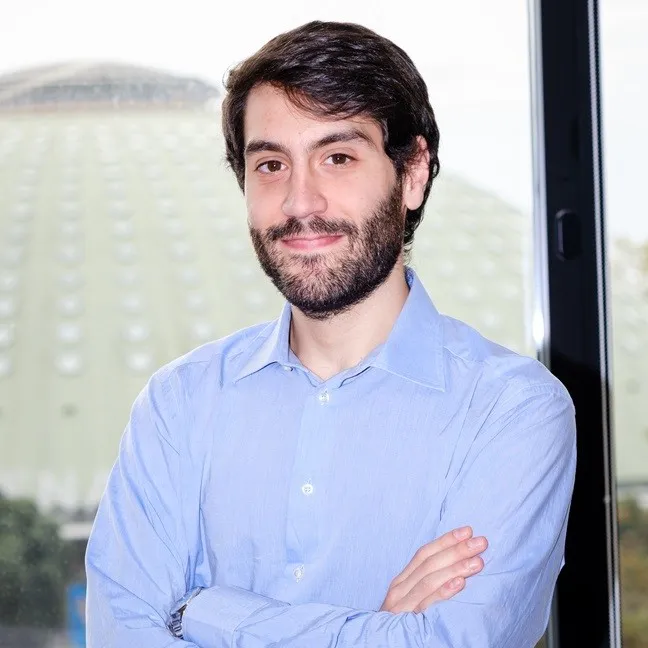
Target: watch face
x=178 y=606
x=182 y=603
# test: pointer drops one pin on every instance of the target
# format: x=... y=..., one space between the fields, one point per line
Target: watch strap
x=175 y=615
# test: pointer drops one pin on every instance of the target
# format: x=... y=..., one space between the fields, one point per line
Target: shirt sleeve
x=136 y=551
x=514 y=487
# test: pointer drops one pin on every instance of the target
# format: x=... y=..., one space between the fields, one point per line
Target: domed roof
x=100 y=85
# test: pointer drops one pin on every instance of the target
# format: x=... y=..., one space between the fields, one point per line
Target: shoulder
x=210 y=364
x=518 y=408
x=504 y=373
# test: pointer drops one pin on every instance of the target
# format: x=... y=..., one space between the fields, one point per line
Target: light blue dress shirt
x=296 y=501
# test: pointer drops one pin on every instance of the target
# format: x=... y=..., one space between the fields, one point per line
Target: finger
x=445 y=592
x=420 y=589
x=455 y=555
x=446 y=541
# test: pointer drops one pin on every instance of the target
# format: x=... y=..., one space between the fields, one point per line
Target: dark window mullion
x=569 y=175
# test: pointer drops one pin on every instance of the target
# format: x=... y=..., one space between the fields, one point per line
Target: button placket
x=303 y=527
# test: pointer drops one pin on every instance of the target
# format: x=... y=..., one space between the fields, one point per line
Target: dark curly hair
x=340 y=70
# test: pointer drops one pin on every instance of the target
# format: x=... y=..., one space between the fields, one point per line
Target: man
x=272 y=487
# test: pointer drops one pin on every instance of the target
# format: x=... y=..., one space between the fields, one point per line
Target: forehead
x=270 y=115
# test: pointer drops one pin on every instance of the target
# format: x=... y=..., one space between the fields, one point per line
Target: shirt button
x=298 y=573
x=286 y=368
x=307 y=489
x=324 y=397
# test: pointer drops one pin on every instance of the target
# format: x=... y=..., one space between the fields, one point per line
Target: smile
x=316 y=242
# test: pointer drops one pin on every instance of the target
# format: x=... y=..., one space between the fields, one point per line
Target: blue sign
x=76 y=598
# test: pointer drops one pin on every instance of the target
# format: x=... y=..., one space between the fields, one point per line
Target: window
x=624 y=57
x=124 y=240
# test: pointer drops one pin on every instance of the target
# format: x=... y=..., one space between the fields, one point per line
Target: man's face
x=324 y=204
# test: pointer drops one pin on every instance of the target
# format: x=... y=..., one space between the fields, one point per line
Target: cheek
x=359 y=194
x=353 y=207
x=263 y=208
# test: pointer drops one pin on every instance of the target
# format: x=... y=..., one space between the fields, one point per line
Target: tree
x=32 y=561
x=633 y=540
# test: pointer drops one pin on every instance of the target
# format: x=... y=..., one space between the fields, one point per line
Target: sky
x=473 y=54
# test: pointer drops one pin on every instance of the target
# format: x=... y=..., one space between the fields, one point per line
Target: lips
x=312 y=242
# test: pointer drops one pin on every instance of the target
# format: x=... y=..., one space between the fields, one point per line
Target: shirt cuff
x=211 y=619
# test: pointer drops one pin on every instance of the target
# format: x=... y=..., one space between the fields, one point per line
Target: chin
x=316 y=262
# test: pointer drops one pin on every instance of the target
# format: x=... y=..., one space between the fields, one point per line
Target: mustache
x=316 y=225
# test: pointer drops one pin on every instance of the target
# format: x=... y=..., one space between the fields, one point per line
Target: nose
x=304 y=197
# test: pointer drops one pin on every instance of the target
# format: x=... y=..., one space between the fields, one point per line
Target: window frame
x=572 y=304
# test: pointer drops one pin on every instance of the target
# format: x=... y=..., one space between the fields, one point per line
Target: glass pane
x=125 y=244
x=624 y=57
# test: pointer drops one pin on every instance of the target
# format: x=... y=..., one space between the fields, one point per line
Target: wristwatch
x=175 y=615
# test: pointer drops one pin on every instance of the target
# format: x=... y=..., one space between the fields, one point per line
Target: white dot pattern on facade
x=6 y=335
x=6 y=365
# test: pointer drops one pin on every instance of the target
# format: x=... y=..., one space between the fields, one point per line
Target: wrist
x=177 y=612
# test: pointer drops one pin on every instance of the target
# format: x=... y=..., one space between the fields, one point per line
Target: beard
x=325 y=285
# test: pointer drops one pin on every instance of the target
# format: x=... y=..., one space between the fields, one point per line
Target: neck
x=327 y=347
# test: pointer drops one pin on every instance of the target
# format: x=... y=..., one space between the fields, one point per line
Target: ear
x=416 y=176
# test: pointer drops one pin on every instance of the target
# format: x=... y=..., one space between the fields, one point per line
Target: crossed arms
x=137 y=559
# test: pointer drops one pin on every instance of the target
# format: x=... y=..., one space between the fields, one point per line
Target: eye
x=271 y=166
x=339 y=159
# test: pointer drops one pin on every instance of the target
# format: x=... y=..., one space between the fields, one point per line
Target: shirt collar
x=269 y=347
x=413 y=350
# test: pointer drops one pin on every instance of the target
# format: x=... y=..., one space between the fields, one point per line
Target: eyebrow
x=348 y=135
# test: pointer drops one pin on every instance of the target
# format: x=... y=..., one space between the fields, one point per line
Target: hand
x=437 y=572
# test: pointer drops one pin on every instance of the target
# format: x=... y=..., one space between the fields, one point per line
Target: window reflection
x=625 y=100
